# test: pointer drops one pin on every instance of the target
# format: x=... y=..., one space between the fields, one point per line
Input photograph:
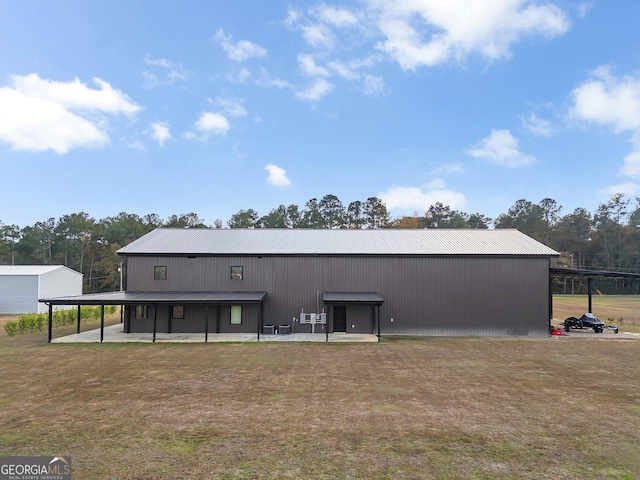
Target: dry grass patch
x=514 y=408
x=609 y=308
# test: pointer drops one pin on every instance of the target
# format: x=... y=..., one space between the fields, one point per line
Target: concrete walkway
x=115 y=334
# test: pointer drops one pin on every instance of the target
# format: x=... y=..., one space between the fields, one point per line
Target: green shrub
x=32 y=322
x=11 y=327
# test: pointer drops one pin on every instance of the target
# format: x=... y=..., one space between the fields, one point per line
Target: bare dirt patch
x=405 y=408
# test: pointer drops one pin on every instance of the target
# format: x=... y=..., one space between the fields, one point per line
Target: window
x=177 y=311
x=160 y=273
x=141 y=311
x=236 y=315
x=236 y=273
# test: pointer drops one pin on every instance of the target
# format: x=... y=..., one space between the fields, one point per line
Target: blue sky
x=212 y=107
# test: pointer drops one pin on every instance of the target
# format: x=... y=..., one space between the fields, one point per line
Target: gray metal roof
x=137 y=298
x=353 y=297
x=168 y=241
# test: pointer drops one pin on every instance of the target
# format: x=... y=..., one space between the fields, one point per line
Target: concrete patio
x=115 y=334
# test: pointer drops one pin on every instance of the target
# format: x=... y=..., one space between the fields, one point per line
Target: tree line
x=606 y=239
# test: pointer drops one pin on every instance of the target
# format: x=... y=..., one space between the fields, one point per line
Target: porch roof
x=140 y=298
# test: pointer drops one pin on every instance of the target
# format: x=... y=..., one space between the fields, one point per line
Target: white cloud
x=316 y=91
x=631 y=167
x=266 y=80
x=611 y=102
x=309 y=67
x=317 y=26
x=584 y=8
x=343 y=70
x=232 y=106
x=339 y=17
x=538 y=126
x=450 y=169
x=210 y=123
x=170 y=72
x=427 y=33
x=318 y=35
x=416 y=33
x=239 y=51
x=137 y=145
x=242 y=76
x=501 y=148
x=629 y=189
x=608 y=101
x=373 y=86
x=277 y=176
x=293 y=16
x=75 y=94
x=39 y=115
x=421 y=198
x=160 y=132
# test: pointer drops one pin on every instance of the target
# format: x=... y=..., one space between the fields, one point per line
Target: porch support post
x=78 y=328
x=261 y=320
x=550 y=298
x=206 y=323
x=218 y=318
x=101 y=322
x=155 y=322
x=50 y=321
x=378 y=320
x=589 y=293
x=127 y=314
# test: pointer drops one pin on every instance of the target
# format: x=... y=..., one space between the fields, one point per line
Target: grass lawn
x=622 y=310
x=443 y=408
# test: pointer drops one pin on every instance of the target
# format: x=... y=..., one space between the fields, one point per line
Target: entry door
x=339 y=319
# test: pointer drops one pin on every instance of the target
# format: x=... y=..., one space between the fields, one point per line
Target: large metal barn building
x=385 y=282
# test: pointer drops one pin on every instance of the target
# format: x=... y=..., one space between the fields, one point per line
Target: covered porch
x=211 y=301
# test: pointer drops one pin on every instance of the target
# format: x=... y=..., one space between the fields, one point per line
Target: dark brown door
x=339 y=319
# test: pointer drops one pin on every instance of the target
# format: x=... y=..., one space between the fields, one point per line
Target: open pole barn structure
x=382 y=282
x=22 y=285
x=590 y=275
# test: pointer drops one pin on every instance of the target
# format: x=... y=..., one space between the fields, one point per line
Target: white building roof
x=31 y=269
x=27 y=269
x=167 y=241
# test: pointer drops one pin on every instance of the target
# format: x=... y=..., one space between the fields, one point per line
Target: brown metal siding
x=454 y=295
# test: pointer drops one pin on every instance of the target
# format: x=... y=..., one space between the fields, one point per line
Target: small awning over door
x=344 y=298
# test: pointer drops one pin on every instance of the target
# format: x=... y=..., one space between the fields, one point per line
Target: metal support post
x=101 y=323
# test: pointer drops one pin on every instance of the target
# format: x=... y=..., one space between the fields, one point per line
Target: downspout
x=261 y=322
x=206 y=323
x=155 y=321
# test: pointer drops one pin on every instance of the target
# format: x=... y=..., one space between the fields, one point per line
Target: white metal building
x=22 y=285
